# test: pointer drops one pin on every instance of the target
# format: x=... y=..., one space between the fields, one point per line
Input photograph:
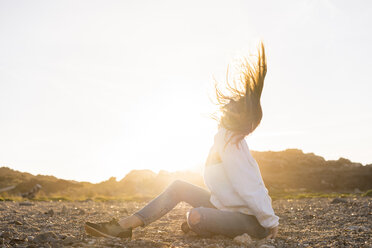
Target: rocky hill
x=285 y=171
x=294 y=170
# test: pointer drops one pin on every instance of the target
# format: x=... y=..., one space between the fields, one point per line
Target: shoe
x=110 y=229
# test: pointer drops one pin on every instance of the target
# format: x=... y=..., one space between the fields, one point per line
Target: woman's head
x=241 y=108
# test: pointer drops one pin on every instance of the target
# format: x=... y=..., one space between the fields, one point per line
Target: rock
x=6 y=235
x=243 y=239
x=34 y=229
x=123 y=211
x=352 y=228
x=213 y=246
x=358 y=228
x=338 y=200
x=309 y=216
x=16 y=222
x=64 y=210
x=91 y=242
x=62 y=236
x=45 y=237
x=333 y=225
x=79 y=244
x=69 y=240
x=26 y=204
x=15 y=241
x=266 y=246
x=50 y=212
x=365 y=205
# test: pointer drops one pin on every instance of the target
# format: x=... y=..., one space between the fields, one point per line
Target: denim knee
x=194 y=220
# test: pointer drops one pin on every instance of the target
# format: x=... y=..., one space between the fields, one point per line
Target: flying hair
x=241 y=107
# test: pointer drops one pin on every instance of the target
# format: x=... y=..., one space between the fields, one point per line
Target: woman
x=238 y=201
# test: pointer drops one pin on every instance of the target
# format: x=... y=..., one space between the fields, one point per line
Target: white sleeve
x=245 y=178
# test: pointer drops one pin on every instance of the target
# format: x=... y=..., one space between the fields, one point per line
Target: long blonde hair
x=241 y=107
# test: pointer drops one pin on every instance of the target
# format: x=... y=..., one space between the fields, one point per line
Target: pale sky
x=94 y=89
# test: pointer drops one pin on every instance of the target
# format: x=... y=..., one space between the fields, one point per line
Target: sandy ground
x=303 y=223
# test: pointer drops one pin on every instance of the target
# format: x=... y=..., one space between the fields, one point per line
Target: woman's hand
x=273 y=233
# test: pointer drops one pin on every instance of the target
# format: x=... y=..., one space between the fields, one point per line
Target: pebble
x=243 y=239
x=69 y=240
x=213 y=246
x=50 y=212
x=338 y=200
x=6 y=235
x=64 y=210
x=16 y=222
x=347 y=225
x=26 y=204
x=358 y=228
x=91 y=242
x=309 y=216
x=62 y=236
x=352 y=228
x=30 y=238
x=123 y=211
x=45 y=237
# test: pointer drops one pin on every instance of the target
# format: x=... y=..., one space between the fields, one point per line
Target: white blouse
x=234 y=179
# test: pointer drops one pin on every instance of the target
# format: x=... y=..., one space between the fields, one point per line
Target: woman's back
x=235 y=180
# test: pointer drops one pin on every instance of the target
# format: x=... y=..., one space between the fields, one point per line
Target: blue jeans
x=212 y=221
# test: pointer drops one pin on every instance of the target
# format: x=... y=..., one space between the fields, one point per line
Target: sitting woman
x=237 y=201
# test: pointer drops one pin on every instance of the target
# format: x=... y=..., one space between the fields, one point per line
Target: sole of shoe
x=96 y=233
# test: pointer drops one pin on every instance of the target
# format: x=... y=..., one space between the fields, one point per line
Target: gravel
x=316 y=222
